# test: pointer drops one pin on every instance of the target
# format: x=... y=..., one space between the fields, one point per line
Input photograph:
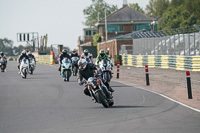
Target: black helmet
x=85 y=52
x=2 y=54
x=64 y=51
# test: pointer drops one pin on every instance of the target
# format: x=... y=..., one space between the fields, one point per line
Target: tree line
x=7 y=47
x=173 y=13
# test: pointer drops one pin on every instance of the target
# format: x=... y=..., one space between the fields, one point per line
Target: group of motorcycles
x=27 y=67
x=97 y=89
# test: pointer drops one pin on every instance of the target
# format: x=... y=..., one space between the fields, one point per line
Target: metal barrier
x=186 y=63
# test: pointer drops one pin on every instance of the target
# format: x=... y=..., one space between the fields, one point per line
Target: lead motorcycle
x=99 y=92
x=75 y=65
x=2 y=64
x=24 y=67
x=106 y=68
x=32 y=65
x=66 y=69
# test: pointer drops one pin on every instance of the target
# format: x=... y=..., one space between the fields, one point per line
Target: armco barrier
x=186 y=63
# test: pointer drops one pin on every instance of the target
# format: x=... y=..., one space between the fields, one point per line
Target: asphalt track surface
x=44 y=103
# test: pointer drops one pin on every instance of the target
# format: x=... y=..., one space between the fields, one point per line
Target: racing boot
x=110 y=89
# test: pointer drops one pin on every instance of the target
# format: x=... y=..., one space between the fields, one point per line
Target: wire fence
x=181 y=41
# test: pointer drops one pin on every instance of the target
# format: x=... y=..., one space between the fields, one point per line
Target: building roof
x=127 y=14
x=139 y=34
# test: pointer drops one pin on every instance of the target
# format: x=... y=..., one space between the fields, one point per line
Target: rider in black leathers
x=74 y=53
x=86 y=70
x=30 y=55
x=62 y=56
x=2 y=55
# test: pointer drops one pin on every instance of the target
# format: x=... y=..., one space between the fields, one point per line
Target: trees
x=135 y=6
x=6 y=46
x=157 y=7
x=180 y=13
x=97 y=8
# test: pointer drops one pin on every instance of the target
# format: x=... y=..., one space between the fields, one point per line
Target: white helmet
x=23 y=52
x=82 y=64
x=29 y=53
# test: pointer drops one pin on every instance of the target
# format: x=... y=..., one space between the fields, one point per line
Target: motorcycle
x=106 y=68
x=2 y=64
x=99 y=92
x=66 y=69
x=75 y=65
x=24 y=67
x=32 y=65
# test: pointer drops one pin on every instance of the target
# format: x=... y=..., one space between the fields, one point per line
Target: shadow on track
x=128 y=106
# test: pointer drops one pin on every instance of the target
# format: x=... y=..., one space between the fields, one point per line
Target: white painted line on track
x=163 y=96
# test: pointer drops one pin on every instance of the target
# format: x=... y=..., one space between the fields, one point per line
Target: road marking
x=163 y=96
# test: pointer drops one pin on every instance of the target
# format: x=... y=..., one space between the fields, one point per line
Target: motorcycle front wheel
x=102 y=99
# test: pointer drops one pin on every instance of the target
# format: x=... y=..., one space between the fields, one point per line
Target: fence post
x=147 y=75
x=189 y=85
x=118 y=65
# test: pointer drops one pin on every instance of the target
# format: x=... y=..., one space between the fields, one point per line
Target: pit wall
x=185 y=63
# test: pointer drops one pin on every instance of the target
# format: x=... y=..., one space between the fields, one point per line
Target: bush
x=96 y=39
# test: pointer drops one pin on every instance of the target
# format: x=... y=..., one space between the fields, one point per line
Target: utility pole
x=106 y=32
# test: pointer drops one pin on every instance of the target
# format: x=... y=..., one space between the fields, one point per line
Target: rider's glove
x=80 y=83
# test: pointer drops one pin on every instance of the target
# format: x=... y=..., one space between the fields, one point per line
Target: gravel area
x=171 y=83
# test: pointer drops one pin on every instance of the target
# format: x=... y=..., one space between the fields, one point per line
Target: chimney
x=125 y=3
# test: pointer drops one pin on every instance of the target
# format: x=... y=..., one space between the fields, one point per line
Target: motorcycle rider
x=74 y=53
x=30 y=55
x=62 y=56
x=102 y=55
x=86 y=70
x=86 y=55
x=2 y=55
x=23 y=55
x=107 y=53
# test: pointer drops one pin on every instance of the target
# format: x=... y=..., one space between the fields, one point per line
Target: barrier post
x=118 y=65
x=189 y=85
x=147 y=75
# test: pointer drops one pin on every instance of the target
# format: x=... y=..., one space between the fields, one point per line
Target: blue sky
x=60 y=19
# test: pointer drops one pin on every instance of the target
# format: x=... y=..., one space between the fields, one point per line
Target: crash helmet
x=29 y=53
x=23 y=52
x=107 y=51
x=82 y=64
x=1 y=53
x=102 y=52
x=64 y=51
x=86 y=52
x=74 y=51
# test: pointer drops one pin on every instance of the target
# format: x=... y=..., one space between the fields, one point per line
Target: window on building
x=88 y=33
x=121 y=28
x=137 y=27
x=94 y=32
x=112 y=28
